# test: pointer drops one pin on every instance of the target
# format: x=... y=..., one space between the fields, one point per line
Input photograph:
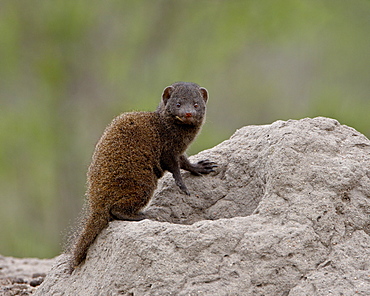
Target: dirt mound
x=286 y=213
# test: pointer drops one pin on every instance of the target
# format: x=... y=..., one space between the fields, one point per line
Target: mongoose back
x=133 y=153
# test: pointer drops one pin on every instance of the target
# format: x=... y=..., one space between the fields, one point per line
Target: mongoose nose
x=188 y=115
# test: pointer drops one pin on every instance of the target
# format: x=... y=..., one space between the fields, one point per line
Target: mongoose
x=133 y=153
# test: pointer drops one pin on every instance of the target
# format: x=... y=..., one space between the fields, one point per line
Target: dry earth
x=22 y=276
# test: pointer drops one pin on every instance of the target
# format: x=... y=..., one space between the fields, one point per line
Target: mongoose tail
x=94 y=224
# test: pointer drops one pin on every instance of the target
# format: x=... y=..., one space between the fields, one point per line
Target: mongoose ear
x=204 y=93
x=166 y=94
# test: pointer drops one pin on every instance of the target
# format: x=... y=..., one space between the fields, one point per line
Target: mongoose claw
x=207 y=163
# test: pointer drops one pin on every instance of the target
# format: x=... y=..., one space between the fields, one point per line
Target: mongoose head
x=185 y=102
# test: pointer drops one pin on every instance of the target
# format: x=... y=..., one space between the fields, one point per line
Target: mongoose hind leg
x=122 y=215
x=128 y=208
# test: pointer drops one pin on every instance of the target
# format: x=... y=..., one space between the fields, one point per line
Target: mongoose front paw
x=186 y=191
x=203 y=167
x=183 y=187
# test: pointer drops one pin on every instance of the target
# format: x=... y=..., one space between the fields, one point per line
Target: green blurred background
x=68 y=67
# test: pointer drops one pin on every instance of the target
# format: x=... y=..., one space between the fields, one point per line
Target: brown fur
x=134 y=151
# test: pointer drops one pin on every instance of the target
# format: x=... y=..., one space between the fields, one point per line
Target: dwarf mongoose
x=133 y=153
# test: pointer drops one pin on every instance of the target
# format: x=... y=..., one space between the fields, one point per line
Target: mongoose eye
x=196 y=105
x=178 y=105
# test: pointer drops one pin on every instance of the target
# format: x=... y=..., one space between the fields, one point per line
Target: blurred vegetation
x=68 y=67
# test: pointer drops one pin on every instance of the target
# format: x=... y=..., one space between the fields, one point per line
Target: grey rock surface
x=286 y=213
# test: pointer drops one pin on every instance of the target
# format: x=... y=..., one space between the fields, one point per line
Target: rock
x=286 y=213
x=21 y=276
